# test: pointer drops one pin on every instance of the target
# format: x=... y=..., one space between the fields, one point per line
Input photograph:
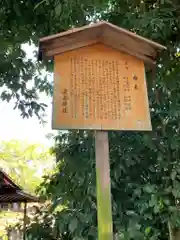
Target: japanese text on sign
x=101 y=90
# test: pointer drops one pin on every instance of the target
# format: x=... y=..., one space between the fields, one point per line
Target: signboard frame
x=100 y=88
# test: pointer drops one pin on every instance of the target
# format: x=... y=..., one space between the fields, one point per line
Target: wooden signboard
x=99 y=84
x=100 y=88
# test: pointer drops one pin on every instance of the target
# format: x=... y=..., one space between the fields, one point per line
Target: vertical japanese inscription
x=65 y=99
x=95 y=89
x=127 y=93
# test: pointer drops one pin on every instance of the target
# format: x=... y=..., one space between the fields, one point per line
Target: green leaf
x=73 y=225
x=92 y=232
x=148 y=230
x=173 y=175
x=40 y=3
x=149 y=188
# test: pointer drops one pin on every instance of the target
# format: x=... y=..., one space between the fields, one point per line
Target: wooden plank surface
x=104 y=208
x=100 y=25
x=97 y=87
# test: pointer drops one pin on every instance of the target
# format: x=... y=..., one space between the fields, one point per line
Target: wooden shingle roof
x=101 y=32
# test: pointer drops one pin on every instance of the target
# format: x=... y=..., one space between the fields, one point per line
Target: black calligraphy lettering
x=135 y=77
x=136 y=87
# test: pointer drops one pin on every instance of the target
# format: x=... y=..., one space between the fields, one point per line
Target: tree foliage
x=145 y=167
x=24 y=22
x=25 y=163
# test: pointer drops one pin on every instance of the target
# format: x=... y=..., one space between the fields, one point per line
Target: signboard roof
x=101 y=32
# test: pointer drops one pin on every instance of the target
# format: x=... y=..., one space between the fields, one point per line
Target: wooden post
x=25 y=215
x=105 y=229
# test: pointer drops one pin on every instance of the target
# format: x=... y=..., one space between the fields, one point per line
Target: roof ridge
x=13 y=184
x=104 y=32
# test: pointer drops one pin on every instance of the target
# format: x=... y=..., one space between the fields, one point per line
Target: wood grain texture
x=105 y=226
x=105 y=33
x=100 y=25
x=97 y=87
